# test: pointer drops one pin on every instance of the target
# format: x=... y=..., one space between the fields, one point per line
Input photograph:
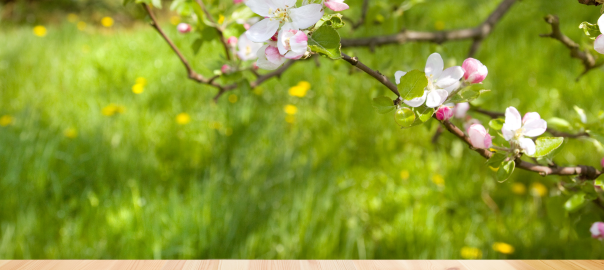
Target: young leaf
x=326 y=41
x=591 y=30
x=412 y=84
x=333 y=20
x=581 y=113
x=424 y=113
x=383 y=105
x=575 y=202
x=558 y=123
x=496 y=160
x=468 y=95
x=546 y=145
x=497 y=124
x=505 y=170
x=404 y=117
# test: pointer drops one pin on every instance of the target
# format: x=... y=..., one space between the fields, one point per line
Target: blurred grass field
x=239 y=181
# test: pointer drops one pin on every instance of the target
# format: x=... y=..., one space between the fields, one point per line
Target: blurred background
x=107 y=150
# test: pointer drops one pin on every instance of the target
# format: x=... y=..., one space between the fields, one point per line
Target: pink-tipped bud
x=246 y=26
x=255 y=65
x=184 y=28
x=597 y=230
x=232 y=41
x=599 y=44
x=474 y=71
x=479 y=136
x=444 y=113
x=225 y=69
x=237 y=1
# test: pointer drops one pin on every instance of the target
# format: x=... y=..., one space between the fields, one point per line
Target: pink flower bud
x=246 y=26
x=479 y=136
x=597 y=230
x=599 y=44
x=225 y=69
x=232 y=41
x=183 y=28
x=255 y=66
x=474 y=71
x=461 y=109
x=237 y=1
x=444 y=113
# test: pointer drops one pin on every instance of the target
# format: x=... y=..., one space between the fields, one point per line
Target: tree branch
x=591 y=2
x=478 y=33
x=586 y=58
x=361 y=21
x=374 y=73
x=227 y=50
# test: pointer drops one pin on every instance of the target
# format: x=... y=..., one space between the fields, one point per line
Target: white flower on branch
x=440 y=82
x=516 y=128
x=269 y=57
x=479 y=136
x=278 y=12
x=336 y=5
x=292 y=43
x=247 y=49
x=474 y=71
x=597 y=230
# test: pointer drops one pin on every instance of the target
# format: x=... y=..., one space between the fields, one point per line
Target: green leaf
x=496 y=160
x=505 y=170
x=546 y=145
x=424 y=113
x=383 y=105
x=575 y=202
x=558 y=123
x=126 y=2
x=581 y=113
x=497 y=124
x=591 y=30
x=468 y=94
x=333 y=20
x=412 y=84
x=404 y=117
x=326 y=41
x=596 y=135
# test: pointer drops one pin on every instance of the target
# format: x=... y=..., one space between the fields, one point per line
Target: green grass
x=138 y=185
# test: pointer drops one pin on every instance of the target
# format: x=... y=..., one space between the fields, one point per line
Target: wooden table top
x=300 y=265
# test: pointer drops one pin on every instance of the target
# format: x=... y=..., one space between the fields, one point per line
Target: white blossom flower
x=336 y=5
x=474 y=71
x=597 y=230
x=516 y=128
x=440 y=83
x=269 y=57
x=461 y=109
x=292 y=43
x=247 y=49
x=479 y=136
x=278 y=12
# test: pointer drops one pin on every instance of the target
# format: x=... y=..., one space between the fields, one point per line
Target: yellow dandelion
x=40 y=30
x=471 y=253
x=138 y=88
x=174 y=20
x=233 y=98
x=438 y=180
x=183 y=118
x=141 y=80
x=70 y=133
x=503 y=248
x=290 y=109
x=112 y=109
x=6 y=120
x=220 y=19
x=72 y=17
x=439 y=25
x=290 y=119
x=81 y=25
x=300 y=89
x=405 y=174
x=107 y=21
x=518 y=188
x=538 y=189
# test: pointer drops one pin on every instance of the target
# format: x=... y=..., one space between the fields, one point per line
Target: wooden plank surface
x=301 y=265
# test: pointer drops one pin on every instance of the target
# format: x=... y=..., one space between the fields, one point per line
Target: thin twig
x=361 y=20
x=586 y=58
x=590 y=2
x=219 y=30
x=374 y=73
x=477 y=33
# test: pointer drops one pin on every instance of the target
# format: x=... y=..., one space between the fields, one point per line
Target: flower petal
x=513 y=118
x=337 y=5
x=527 y=145
x=530 y=116
x=306 y=16
x=599 y=44
x=477 y=134
x=461 y=109
x=262 y=31
x=534 y=128
x=453 y=87
x=434 y=65
x=449 y=77
x=299 y=42
x=436 y=98
x=260 y=7
x=416 y=102
x=398 y=75
x=508 y=133
x=601 y=23
x=595 y=231
x=264 y=62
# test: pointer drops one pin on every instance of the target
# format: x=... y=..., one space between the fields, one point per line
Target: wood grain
x=301 y=265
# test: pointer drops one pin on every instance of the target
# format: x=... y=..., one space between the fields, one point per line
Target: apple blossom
x=336 y=5
x=474 y=71
x=232 y=41
x=444 y=113
x=277 y=12
x=247 y=49
x=238 y=1
x=461 y=109
x=292 y=43
x=479 y=136
x=225 y=69
x=597 y=230
x=269 y=57
x=183 y=28
x=599 y=44
x=516 y=128
x=440 y=83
